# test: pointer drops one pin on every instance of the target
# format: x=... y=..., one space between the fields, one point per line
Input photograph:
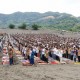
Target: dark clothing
x=76 y=52
x=11 y=61
x=46 y=59
x=74 y=59
x=71 y=57
x=43 y=58
x=78 y=58
x=54 y=56
x=10 y=56
x=0 y=49
x=50 y=54
x=35 y=54
x=66 y=53
x=32 y=58
x=57 y=58
x=28 y=57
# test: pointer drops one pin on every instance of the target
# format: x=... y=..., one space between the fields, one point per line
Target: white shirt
x=24 y=50
x=57 y=52
x=43 y=51
x=37 y=50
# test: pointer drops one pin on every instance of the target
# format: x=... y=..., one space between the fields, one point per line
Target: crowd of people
x=6 y=48
x=43 y=46
x=47 y=45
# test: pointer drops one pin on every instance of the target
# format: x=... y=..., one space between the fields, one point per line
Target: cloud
x=68 y=6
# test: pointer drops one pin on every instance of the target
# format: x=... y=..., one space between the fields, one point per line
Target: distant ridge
x=47 y=19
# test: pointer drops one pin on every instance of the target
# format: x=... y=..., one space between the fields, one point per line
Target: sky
x=62 y=6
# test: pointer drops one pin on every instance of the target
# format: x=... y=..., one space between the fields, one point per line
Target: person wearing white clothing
x=60 y=54
x=54 y=53
x=42 y=53
x=24 y=50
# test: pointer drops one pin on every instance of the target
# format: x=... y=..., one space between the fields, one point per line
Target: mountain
x=48 y=19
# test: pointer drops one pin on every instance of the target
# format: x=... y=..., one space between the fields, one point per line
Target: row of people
x=47 y=45
x=56 y=53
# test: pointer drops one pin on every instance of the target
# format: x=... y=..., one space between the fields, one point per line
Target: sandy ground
x=64 y=33
x=41 y=72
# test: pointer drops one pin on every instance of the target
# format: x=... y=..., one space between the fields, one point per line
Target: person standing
x=71 y=53
x=0 y=45
x=43 y=53
x=32 y=56
x=75 y=54
x=78 y=54
x=10 y=53
x=67 y=52
x=46 y=55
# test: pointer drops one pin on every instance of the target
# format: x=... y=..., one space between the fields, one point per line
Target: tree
x=35 y=27
x=11 y=26
x=23 y=26
x=70 y=29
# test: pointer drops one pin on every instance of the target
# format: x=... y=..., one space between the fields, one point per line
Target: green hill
x=48 y=19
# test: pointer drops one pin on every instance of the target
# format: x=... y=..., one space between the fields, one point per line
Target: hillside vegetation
x=48 y=20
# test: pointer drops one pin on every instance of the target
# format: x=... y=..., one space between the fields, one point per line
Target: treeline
x=37 y=27
x=24 y=26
